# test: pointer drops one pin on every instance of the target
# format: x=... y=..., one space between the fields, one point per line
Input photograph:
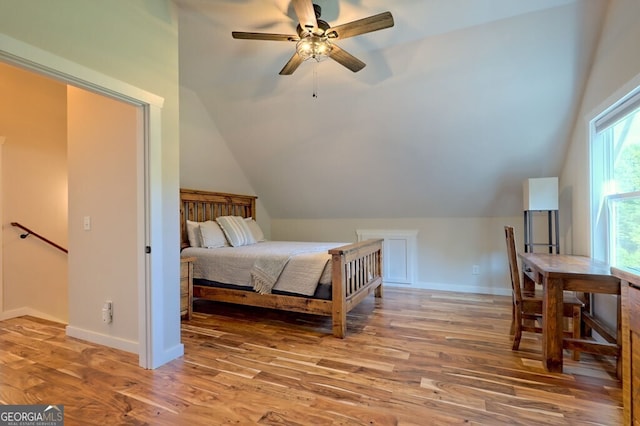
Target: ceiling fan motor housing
x=323 y=27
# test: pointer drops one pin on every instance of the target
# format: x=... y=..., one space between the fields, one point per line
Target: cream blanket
x=266 y=271
x=300 y=274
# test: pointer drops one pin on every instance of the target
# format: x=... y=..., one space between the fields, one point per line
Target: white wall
x=103 y=186
x=34 y=176
x=135 y=42
x=447 y=248
x=615 y=71
x=206 y=163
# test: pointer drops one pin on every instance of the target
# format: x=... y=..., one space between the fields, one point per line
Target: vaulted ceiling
x=459 y=103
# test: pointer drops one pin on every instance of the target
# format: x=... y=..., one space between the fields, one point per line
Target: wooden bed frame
x=356 y=268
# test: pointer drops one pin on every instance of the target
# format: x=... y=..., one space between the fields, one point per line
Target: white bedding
x=308 y=264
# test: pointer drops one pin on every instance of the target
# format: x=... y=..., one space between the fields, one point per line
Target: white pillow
x=257 y=233
x=193 y=233
x=236 y=230
x=212 y=235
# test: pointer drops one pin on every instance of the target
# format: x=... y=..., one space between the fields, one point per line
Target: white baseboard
x=168 y=355
x=26 y=311
x=102 y=339
x=494 y=291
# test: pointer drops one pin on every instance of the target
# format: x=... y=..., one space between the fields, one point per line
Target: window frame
x=601 y=158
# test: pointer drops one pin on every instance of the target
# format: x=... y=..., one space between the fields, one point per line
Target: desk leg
x=552 y=325
x=527 y=283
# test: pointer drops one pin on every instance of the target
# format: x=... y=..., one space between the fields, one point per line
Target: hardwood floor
x=412 y=358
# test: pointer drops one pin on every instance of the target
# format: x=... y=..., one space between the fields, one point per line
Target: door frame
x=149 y=108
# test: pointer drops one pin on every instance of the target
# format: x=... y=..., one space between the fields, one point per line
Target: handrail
x=35 y=234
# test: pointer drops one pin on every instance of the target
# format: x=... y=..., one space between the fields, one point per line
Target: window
x=615 y=184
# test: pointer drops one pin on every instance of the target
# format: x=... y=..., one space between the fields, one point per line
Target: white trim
x=144 y=222
x=43 y=62
x=616 y=98
x=150 y=350
x=103 y=339
x=625 y=106
x=26 y=311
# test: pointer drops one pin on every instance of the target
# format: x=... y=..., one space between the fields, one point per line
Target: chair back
x=513 y=264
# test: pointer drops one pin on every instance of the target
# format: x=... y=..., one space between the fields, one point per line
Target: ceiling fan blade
x=361 y=26
x=264 y=36
x=346 y=59
x=306 y=14
x=292 y=65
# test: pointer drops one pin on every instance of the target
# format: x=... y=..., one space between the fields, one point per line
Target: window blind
x=617 y=112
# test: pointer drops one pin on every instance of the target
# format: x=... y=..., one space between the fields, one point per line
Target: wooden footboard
x=356 y=272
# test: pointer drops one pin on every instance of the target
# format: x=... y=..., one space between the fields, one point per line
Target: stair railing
x=35 y=234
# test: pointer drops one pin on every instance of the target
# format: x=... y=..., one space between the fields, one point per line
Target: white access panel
x=398 y=253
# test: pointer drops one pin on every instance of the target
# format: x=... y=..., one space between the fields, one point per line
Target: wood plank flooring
x=414 y=357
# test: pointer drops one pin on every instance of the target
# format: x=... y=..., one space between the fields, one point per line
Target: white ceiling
x=459 y=102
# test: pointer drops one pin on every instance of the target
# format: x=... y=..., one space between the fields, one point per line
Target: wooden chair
x=527 y=305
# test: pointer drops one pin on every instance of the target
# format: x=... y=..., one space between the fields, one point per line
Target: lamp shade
x=540 y=193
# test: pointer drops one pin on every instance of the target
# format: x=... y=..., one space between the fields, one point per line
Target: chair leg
x=517 y=332
x=516 y=339
x=577 y=328
x=513 y=319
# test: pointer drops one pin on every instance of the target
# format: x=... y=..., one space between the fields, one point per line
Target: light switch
x=87 y=223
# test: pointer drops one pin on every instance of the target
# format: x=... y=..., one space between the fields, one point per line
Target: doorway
x=150 y=325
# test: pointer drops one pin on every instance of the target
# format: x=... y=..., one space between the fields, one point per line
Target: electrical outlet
x=475 y=270
x=107 y=312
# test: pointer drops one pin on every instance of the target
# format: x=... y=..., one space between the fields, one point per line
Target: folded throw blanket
x=265 y=272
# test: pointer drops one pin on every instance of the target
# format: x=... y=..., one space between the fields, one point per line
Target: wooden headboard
x=200 y=206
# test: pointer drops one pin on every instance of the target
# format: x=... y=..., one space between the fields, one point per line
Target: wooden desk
x=559 y=272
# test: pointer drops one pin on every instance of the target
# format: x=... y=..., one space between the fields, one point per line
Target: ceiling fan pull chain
x=315 y=80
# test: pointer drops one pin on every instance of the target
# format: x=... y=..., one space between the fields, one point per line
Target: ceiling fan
x=315 y=37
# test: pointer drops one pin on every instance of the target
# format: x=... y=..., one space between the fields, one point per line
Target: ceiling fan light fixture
x=316 y=47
